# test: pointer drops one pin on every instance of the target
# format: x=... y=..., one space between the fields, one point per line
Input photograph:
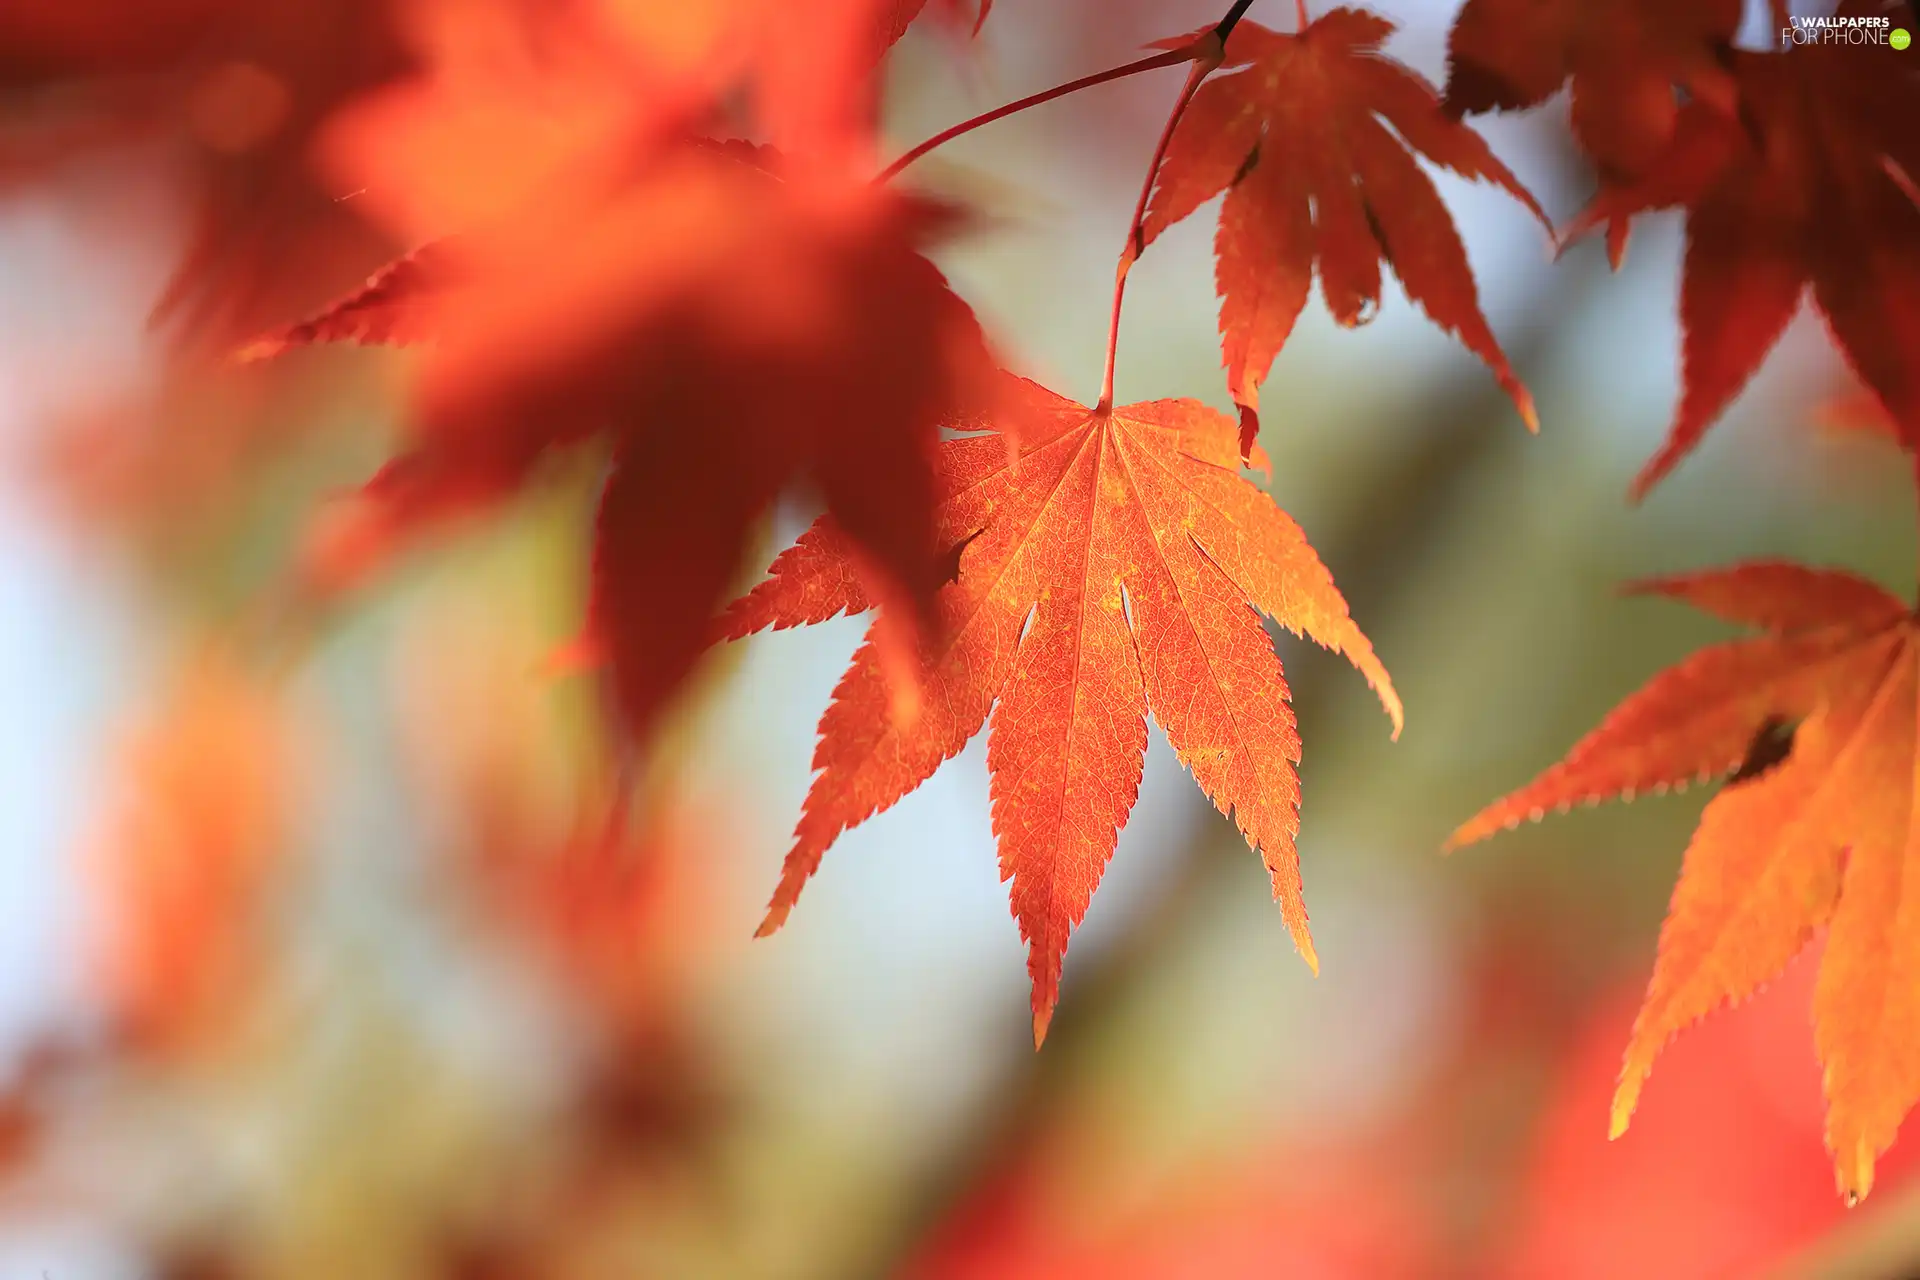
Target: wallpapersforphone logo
x=1859 y=31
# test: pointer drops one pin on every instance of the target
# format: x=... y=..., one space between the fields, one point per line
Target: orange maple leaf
x=1624 y=57
x=1812 y=185
x=1115 y=569
x=1820 y=838
x=1299 y=141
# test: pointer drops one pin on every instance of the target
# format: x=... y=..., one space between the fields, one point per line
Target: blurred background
x=310 y=965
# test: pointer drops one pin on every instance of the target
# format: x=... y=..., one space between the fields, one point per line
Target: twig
x=1172 y=57
x=1207 y=53
x=1225 y=26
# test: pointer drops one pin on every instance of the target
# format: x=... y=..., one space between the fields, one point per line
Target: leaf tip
x=1649 y=476
x=1523 y=400
x=1390 y=701
x=1473 y=830
x=1854 y=1173
x=1303 y=943
x=1626 y=1097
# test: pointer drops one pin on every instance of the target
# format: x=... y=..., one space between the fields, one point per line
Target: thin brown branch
x=1172 y=57
x=1225 y=26
x=1207 y=53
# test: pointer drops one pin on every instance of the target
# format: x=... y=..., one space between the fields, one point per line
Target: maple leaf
x=729 y=318
x=1812 y=186
x=1819 y=839
x=1114 y=571
x=1624 y=57
x=1314 y=178
x=237 y=92
x=395 y=305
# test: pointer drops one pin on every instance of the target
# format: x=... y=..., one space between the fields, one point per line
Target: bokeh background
x=310 y=964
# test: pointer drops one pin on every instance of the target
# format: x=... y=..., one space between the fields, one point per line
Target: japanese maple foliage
x=1811 y=185
x=1623 y=57
x=729 y=319
x=1819 y=839
x=1112 y=570
x=1299 y=140
x=665 y=233
x=237 y=92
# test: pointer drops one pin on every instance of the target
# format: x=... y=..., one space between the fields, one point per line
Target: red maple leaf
x=728 y=329
x=238 y=93
x=1624 y=57
x=1812 y=833
x=1811 y=186
x=1300 y=142
x=1118 y=568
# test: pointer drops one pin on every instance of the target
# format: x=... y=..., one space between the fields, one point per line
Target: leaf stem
x=1205 y=53
x=1171 y=57
x=1300 y=15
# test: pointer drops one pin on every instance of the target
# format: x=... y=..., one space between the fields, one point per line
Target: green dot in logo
x=1899 y=39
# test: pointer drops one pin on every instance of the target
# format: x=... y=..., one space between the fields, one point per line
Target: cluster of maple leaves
x=657 y=230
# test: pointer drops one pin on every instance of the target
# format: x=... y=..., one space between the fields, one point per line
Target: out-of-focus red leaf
x=236 y=93
x=731 y=319
x=1624 y=57
x=1810 y=186
x=1721 y=1173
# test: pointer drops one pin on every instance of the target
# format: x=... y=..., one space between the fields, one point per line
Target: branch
x=1225 y=26
x=1206 y=53
x=1172 y=57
